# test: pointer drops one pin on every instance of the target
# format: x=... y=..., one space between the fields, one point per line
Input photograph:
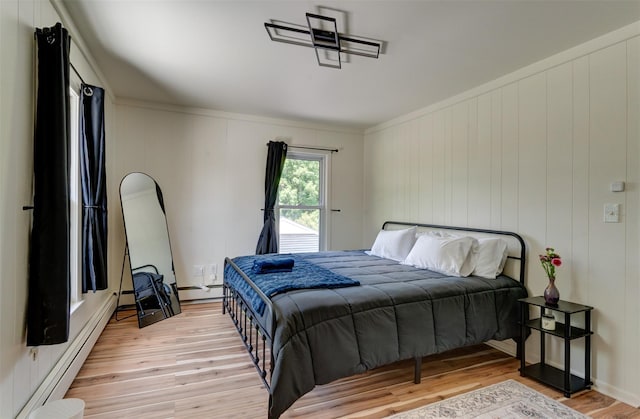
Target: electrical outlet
x=213 y=272
x=198 y=271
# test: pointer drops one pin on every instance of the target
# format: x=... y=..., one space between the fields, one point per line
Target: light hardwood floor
x=194 y=365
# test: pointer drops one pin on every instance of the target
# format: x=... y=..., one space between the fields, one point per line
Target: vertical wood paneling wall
x=535 y=152
x=21 y=372
x=210 y=166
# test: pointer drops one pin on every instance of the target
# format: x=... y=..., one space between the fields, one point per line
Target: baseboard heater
x=58 y=381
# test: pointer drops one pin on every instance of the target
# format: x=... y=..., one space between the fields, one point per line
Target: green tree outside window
x=300 y=185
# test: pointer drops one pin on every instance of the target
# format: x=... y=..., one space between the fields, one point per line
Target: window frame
x=324 y=159
x=75 y=198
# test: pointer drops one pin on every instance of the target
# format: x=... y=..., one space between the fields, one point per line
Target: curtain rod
x=88 y=91
x=77 y=73
x=333 y=150
x=47 y=30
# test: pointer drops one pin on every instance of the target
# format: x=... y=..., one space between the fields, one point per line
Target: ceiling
x=217 y=54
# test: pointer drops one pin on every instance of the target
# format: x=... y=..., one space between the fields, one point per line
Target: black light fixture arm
x=320 y=38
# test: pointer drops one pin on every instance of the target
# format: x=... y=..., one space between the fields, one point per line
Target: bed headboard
x=516 y=261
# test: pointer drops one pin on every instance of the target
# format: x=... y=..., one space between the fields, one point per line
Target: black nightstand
x=554 y=377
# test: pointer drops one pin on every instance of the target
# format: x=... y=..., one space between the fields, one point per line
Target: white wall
x=210 y=166
x=535 y=152
x=20 y=373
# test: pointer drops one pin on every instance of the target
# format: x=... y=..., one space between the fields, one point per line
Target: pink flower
x=550 y=260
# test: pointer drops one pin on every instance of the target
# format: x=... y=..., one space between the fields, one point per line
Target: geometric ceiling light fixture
x=321 y=34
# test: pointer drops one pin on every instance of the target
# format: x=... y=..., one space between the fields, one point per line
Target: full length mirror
x=152 y=273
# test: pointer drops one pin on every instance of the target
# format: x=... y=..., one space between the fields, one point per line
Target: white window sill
x=75 y=305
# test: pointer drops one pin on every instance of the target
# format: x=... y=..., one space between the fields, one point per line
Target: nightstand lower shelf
x=560 y=379
x=554 y=377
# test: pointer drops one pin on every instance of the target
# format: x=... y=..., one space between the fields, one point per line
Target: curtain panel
x=49 y=275
x=94 y=189
x=276 y=156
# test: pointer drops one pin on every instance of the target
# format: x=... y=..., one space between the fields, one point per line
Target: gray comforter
x=398 y=312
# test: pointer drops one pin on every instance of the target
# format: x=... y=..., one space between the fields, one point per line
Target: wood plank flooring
x=194 y=365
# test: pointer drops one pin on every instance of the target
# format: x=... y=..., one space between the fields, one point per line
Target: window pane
x=299 y=230
x=300 y=183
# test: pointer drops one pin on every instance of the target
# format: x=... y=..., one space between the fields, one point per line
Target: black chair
x=150 y=291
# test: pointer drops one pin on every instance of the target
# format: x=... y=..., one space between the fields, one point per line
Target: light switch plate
x=611 y=213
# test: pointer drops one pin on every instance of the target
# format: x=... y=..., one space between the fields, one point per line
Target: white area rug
x=506 y=400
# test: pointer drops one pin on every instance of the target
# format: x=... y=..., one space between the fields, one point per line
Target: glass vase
x=551 y=293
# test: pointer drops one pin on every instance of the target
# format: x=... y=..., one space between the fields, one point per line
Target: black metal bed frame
x=521 y=258
x=258 y=340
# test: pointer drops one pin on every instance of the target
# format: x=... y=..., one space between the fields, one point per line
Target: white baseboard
x=506 y=346
x=618 y=394
x=56 y=384
x=624 y=396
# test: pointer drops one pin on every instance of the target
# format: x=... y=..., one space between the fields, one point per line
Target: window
x=301 y=208
x=75 y=201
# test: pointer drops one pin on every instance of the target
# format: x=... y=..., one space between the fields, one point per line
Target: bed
x=301 y=338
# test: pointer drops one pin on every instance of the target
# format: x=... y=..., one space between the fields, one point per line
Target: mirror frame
x=173 y=306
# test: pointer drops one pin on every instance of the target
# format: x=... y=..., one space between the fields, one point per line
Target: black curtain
x=49 y=280
x=94 y=189
x=276 y=156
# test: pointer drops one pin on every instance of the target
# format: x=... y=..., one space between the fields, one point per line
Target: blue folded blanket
x=306 y=275
x=270 y=266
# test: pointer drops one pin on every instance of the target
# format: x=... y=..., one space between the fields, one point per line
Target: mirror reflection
x=153 y=276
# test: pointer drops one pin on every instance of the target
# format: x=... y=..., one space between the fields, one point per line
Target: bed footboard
x=257 y=338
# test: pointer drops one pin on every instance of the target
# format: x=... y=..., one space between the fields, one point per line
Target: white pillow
x=393 y=244
x=492 y=255
x=433 y=233
x=450 y=255
x=470 y=262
